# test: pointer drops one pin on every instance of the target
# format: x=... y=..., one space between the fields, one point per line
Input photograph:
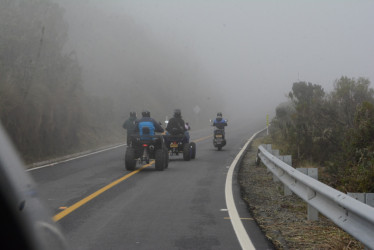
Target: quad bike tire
x=166 y=152
x=193 y=150
x=130 y=161
x=160 y=158
x=186 y=152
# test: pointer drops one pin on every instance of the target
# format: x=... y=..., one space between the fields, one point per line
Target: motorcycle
x=219 y=140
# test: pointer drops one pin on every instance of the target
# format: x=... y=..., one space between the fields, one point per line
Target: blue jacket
x=148 y=121
x=220 y=123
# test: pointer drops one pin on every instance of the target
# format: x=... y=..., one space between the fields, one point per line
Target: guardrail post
x=312 y=172
x=288 y=160
x=275 y=152
x=358 y=196
x=367 y=198
x=370 y=199
x=269 y=149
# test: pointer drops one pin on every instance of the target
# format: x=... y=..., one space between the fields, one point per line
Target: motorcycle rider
x=220 y=123
x=130 y=126
x=150 y=123
x=177 y=126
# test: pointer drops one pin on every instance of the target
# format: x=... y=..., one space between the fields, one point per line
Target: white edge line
x=74 y=158
x=236 y=222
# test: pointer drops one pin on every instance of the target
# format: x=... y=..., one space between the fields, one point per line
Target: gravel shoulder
x=283 y=219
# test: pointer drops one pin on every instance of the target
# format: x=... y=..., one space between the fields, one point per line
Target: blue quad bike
x=178 y=144
x=144 y=148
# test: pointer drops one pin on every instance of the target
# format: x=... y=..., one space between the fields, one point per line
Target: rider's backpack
x=146 y=130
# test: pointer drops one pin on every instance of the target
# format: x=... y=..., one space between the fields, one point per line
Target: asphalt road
x=101 y=205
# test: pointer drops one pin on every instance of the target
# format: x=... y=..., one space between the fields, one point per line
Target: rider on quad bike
x=146 y=145
x=177 y=138
x=147 y=121
x=130 y=126
x=177 y=126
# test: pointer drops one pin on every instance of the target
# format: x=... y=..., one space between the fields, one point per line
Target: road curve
x=100 y=205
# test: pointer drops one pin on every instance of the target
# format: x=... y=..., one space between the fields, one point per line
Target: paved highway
x=101 y=205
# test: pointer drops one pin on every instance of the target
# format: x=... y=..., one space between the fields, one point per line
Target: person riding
x=130 y=126
x=177 y=126
x=219 y=122
x=147 y=125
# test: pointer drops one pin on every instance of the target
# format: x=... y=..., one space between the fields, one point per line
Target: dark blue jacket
x=220 y=123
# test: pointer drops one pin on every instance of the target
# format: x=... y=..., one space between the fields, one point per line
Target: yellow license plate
x=218 y=136
x=173 y=145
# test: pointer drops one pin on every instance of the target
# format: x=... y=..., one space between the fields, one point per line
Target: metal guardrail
x=354 y=217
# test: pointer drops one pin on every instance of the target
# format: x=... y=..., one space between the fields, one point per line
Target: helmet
x=177 y=113
x=132 y=114
x=219 y=114
x=146 y=113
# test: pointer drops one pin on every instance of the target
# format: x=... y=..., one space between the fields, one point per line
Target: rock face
x=283 y=219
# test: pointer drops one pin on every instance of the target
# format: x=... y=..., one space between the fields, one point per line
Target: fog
x=235 y=56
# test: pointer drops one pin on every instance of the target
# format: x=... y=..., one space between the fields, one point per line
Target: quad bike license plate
x=173 y=145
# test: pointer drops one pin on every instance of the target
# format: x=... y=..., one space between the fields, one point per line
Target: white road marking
x=237 y=224
x=74 y=158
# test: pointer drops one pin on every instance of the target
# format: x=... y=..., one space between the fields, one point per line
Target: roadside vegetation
x=283 y=219
x=44 y=107
x=333 y=131
x=50 y=108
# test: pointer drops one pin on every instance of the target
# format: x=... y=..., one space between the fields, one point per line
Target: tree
x=357 y=173
x=347 y=95
x=336 y=130
x=40 y=87
x=307 y=99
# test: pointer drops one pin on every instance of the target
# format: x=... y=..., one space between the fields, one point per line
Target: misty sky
x=252 y=50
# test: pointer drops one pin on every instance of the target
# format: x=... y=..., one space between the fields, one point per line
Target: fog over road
x=247 y=52
x=72 y=70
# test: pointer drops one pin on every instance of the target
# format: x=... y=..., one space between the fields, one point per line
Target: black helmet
x=219 y=114
x=177 y=113
x=146 y=113
x=132 y=114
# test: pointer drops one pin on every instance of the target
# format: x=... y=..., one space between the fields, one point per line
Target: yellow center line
x=80 y=203
x=203 y=138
